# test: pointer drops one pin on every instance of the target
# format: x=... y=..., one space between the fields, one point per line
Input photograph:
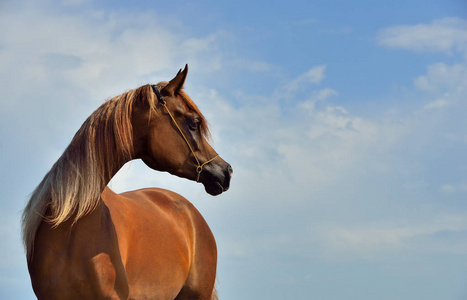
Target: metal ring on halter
x=199 y=168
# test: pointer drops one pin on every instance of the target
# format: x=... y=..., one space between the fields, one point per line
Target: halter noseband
x=200 y=166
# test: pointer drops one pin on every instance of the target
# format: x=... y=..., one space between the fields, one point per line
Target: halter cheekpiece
x=200 y=166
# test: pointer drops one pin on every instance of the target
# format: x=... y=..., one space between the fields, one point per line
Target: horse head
x=170 y=134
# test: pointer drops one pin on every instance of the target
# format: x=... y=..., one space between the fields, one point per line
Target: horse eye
x=194 y=123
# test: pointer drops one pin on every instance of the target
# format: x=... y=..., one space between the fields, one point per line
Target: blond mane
x=103 y=144
x=72 y=188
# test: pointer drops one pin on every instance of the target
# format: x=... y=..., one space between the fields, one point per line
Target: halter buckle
x=199 y=169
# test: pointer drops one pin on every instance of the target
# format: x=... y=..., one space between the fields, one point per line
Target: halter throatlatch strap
x=200 y=166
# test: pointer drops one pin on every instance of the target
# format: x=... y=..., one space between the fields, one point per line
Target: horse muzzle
x=216 y=178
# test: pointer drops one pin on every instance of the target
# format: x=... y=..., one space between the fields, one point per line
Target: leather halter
x=200 y=166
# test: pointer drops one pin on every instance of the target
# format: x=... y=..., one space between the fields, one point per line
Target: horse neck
x=90 y=162
x=72 y=188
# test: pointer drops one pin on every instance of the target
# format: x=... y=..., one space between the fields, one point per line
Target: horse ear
x=176 y=83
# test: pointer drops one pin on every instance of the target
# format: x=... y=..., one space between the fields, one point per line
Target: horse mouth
x=217 y=181
x=215 y=188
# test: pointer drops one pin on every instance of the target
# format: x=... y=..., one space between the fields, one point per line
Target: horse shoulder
x=78 y=261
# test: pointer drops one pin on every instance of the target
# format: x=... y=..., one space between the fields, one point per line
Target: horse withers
x=83 y=241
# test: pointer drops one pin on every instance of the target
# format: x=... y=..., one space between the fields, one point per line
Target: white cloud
x=314 y=76
x=442 y=77
x=444 y=86
x=445 y=35
x=86 y=49
x=421 y=236
x=437 y=104
x=330 y=143
x=98 y=53
x=317 y=96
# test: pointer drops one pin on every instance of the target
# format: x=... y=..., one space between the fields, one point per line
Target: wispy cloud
x=318 y=96
x=442 y=77
x=437 y=104
x=314 y=76
x=376 y=239
x=445 y=35
x=452 y=188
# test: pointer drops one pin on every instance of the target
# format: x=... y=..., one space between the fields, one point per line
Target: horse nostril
x=230 y=170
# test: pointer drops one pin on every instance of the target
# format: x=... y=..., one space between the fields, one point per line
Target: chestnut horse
x=84 y=241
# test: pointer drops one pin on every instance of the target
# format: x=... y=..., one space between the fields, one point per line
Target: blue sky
x=344 y=123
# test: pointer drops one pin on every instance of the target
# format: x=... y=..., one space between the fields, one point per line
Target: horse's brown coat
x=144 y=244
x=127 y=244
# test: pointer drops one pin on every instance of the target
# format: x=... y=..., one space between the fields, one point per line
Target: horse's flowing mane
x=103 y=144
x=73 y=186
